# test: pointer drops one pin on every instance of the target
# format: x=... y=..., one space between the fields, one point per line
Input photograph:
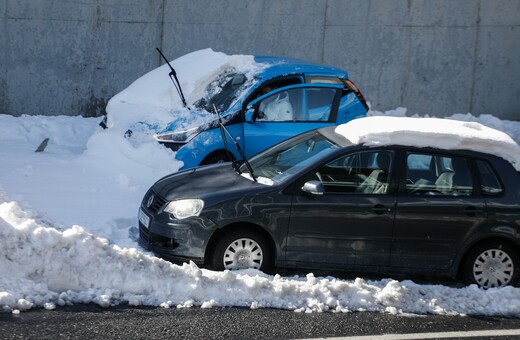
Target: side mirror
x=314 y=188
x=250 y=115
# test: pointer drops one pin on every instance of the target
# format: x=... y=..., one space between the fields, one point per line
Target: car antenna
x=224 y=131
x=173 y=77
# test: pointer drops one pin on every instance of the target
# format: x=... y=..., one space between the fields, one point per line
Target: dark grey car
x=320 y=201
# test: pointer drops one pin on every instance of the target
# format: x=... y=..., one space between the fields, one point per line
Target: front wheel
x=216 y=157
x=492 y=264
x=241 y=249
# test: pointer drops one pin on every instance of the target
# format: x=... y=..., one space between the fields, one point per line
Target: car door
x=437 y=207
x=351 y=223
x=288 y=111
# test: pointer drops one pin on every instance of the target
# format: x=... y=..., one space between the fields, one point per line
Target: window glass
x=322 y=80
x=419 y=162
x=363 y=172
x=428 y=174
x=319 y=104
x=488 y=179
x=302 y=104
x=223 y=91
x=283 y=160
x=280 y=106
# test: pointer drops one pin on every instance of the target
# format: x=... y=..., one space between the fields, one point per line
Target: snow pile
x=49 y=268
x=98 y=188
x=431 y=132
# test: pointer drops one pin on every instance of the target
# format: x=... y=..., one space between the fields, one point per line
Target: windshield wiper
x=173 y=77
x=223 y=132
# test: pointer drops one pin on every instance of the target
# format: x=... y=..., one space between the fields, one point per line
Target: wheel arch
x=219 y=233
x=462 y=258
x=215 y=154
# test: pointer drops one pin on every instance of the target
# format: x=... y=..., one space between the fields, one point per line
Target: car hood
x=205 y=182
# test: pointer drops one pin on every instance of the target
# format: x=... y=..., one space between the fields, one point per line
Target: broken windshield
x=223 y=91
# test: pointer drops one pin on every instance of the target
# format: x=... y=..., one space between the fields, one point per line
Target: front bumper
x=175 y=240
x=165 y=247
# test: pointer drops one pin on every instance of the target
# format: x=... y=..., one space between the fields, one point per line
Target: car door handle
x=380 y=209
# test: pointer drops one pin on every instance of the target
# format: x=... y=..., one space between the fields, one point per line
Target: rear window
x=489 y=182
x=322 y=80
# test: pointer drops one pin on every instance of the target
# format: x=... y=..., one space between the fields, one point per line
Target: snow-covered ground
x=68 y=229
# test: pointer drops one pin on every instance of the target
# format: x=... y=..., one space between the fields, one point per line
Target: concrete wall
x=432 y=56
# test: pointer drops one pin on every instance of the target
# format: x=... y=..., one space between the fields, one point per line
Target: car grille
x=144 y=234
x=156 y=202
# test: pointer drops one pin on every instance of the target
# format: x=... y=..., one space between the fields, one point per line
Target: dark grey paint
x=394 y=232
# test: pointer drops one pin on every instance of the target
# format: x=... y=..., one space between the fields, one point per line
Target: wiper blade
x=173 y=77
x=224 y=131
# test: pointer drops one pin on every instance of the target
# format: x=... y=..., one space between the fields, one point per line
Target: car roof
x=277 y=66
x=437 y=133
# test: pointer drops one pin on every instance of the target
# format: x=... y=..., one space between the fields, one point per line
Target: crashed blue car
x=285 y=98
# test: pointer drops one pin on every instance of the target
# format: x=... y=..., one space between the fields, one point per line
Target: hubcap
x=242 y=254
x=493 y=268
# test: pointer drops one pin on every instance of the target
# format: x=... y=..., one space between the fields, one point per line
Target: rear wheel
x=241 y=249
x=492 y=264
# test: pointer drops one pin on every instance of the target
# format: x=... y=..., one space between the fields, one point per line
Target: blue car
x=285 y=98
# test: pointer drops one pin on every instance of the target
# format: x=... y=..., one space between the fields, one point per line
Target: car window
x=322 y=80
x=280 y=106
x=360 y=173
x=489 y=182
x=319 y=104
x=300 y=104
x=286 y=158
x=428 y=174
x=419 y=162
x=223 y=91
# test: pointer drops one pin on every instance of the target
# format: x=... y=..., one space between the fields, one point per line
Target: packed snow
x=68 y=225
x=440 y=133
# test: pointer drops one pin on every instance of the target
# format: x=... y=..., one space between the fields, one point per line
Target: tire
x=241 y=249
x=492 y=264
x=216 y=157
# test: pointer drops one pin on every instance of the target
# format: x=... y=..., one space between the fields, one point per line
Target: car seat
x=377 y=181
x=279 y=109
x=459 y=179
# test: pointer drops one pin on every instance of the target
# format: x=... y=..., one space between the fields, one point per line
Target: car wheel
x=492 y=264
x=241 y=249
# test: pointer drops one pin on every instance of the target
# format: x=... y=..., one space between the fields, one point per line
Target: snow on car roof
x=431 y=132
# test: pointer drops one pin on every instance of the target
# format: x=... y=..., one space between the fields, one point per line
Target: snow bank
x=97 y=183
x=48 y=268
x=431 y=132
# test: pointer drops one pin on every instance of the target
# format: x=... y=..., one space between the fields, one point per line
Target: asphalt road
x=125 y=322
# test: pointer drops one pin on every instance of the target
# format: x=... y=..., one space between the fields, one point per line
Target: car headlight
x=182 y=136
x=184 y=208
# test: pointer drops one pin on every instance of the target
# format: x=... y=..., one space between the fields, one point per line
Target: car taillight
x=358 y=93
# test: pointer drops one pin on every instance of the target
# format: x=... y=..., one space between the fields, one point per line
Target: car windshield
x=278 y=163
x=223 y=91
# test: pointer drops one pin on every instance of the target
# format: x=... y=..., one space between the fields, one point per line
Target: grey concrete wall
x=432 y=56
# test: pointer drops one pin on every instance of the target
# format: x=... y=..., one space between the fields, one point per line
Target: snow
x=440 y=133
x=151 y=102
x=68 y=225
